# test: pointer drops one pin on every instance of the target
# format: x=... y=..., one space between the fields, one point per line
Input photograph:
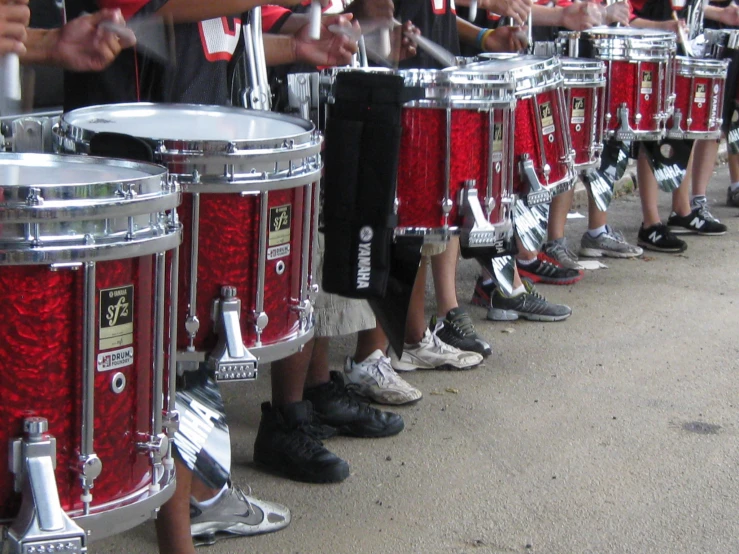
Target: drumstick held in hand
x=473 y=10
x=315 y=20
x=10 y=73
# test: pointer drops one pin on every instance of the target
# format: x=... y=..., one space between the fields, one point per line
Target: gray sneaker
x=375 y=378
x=732 y=197
x=611 y=243
x=528 y=305
x=236 y=514
x=558 y=251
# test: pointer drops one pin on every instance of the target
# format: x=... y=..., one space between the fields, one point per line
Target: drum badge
x=280 y=220
x=116 y=317
x=547 y=118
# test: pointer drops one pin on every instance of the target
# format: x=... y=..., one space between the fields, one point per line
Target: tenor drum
x=640 y=76
x=542 y=152
x=250 y=184
x=87 y=249
x=455 y=154
x=584 y=82
x=699 y=98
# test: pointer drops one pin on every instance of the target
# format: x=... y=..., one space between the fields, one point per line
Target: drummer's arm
x=331 y=49
x=191 y=11
x=502 y=39
x=669 y=25
x=728 y=15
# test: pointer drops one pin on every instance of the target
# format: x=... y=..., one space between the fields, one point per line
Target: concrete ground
x=612 y=432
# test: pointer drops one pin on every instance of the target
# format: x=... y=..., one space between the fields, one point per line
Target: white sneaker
x=433 y=353
x=376 y=379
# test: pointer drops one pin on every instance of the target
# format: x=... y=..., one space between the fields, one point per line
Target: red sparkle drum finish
x=85 y=260
x=699 y=98
x=584 y=92
x=640 y=76
x=455 y=134
x=249 y=180
x=543 y=149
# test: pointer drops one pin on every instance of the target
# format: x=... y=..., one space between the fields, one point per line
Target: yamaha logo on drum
x=116 y=317
x=364 y=257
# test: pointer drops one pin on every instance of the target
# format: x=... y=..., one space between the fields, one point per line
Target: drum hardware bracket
x=154 y=445
x=676 y=132
x=43 y=526
x=624 y=132
x=476 y=229
x=538 y=194
x=230 y=359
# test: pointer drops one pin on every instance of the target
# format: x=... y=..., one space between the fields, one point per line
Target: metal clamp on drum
x=477 y=231
x=538 y=194
x=28 y=133
x=41 y=525
x=230 y=359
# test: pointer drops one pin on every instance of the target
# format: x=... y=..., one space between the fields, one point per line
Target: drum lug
x=676 y=132
x=230 y=359
x=476 y=232
x=624 y=132
x=154 y=445
x=41 y=524
x=538 y=194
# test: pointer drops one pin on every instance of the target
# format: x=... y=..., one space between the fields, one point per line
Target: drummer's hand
x=373 y=9
x=730 y=15
x=14 y=18
x=402 y=46
x=332 y=48
x=84 y=45
x=507 y=39
x=617 y=13
x=580 y=16
x=293 y=3
x=517 y=9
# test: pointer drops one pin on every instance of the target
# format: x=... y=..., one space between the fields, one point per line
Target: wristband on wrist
x=485 y=39
x=479 y=39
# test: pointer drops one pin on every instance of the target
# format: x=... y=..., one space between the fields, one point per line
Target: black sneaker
x=660 y=239
x=338 y=407
x=544 y=271
x=699 y=221
x=286 y=445
x=457 y=330
x=732 y=197
x=482 y=293
x=527 y=305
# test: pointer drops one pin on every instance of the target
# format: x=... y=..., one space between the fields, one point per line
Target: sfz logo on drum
x=280 y=219
x=578 y=109
x=547 y=118
x=116 y=317
x=646 y=82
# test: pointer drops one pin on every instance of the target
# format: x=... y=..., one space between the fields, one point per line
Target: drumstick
x=10 y=73
x=385 y=48
x=315 y=19
x=681 y=36
x=473 y=10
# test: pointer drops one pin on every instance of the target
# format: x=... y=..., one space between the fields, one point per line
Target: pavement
x=613 y=432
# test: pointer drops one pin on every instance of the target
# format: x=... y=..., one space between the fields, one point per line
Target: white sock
x=518 y=290
x=694 y=198
x=735 y=186
x=597 y=231
x=487 y=282
x=527 y=262
x=211 y=501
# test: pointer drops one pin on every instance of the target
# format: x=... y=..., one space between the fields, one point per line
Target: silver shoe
x=236 y=513
x=611 y=244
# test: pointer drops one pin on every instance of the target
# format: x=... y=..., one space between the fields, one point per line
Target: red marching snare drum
x=639 y=74
x=250 y=184
x=455 y=155
x=584 y=82
x=87 y=250
x=699 y=98
x=542 y=152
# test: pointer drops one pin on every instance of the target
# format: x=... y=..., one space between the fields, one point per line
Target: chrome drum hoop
x=236 y=163
x=620 y=43
x=583 y=73
x=68 y=209
x=694 y=67
x=717 y=40
x=453 y=87
x=531 y=74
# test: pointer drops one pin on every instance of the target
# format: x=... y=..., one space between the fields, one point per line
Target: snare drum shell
x=228 y=254
x=585 y=111
x=699 y=88
x=40 y=363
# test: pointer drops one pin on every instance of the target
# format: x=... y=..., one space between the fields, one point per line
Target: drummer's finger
x=15 y=14
x=8 y=45
x=14 y=31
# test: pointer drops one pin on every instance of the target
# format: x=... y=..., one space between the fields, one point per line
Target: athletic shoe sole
x=554 y=261
x=599 y=253
x=649 y=246
x=378 y=399
x=277 y=467
x=444 y=367
x=684 y=231
x=548 y=280
x=496 y=314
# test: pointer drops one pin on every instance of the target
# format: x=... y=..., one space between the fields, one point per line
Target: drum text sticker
x=115 y=359
x=498 y=142
x=547 y=118
x=700 y=93
x=578 y=109
x=280 y=219
x=646 y=82
x=116 y=317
